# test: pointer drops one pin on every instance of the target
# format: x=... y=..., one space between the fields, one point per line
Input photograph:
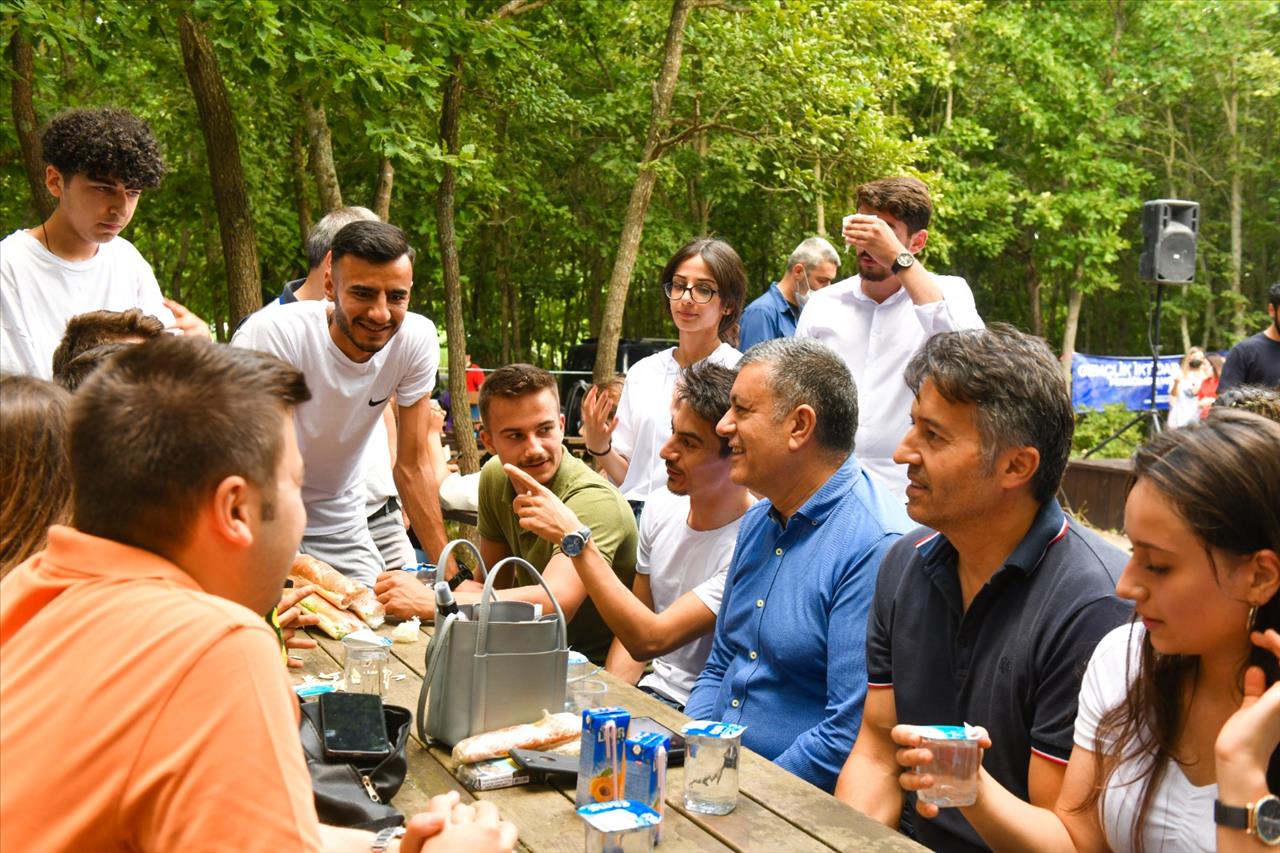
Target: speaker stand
x=1151 y=413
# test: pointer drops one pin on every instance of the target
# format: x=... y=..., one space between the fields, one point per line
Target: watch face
x=1267 y=816
x=573 y=544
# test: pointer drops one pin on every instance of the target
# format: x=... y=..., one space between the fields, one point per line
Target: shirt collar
x=1047 y=529
x=854 y=293
x=93 y=556
x=829 y=495
x=780 y=303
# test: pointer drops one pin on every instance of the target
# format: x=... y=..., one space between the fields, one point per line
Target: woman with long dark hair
x=705 y=283
x=35 y=484
x=1173 y=713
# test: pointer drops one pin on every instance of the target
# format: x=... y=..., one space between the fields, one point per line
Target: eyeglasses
x=698 y=292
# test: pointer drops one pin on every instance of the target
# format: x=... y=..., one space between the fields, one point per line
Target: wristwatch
x=383 y=839
x=1261 y=818
x=573 y=543
x=903 y=261
x=461 y=575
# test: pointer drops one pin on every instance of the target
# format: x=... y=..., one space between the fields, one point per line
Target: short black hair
x=1273 y=295
x=105 y=144
x=373 y=241
x=512 y=382
x=706 y=387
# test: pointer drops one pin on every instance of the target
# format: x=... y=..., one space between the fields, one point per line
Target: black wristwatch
x=462 y=575
x=573 y=543
x=1261 y=818
x=901 y=262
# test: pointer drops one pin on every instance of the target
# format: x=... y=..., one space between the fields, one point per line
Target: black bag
x=353 y=795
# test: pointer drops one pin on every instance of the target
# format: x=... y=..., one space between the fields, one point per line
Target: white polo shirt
x=876 y=340
x=347 y=398
x=644 y=417
x=40 y=292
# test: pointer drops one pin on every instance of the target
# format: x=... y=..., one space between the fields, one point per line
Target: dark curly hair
x=104 y=144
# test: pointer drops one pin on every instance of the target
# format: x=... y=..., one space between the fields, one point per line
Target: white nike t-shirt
x=40 y=292
x=347 y=399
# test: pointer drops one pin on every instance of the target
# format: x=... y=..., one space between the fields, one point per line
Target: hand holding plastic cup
x=954 y=768
x=711 y=766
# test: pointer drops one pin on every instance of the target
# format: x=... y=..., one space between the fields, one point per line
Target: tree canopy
x=1040 y=127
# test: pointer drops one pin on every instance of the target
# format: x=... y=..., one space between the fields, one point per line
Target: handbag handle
x=448 y=549
x=481 y=610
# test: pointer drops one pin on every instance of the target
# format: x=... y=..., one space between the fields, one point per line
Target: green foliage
x=1040 y=128
x=1094 y=427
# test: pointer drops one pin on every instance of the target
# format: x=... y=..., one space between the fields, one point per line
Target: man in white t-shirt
x=878 y=319
x=358 y=351
x=687 y=534
x=98 y=162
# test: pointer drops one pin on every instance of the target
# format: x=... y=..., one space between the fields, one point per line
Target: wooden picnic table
x=776 y=810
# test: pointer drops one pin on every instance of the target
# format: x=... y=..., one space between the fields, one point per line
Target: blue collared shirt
x=788 y=659
x=768 y=317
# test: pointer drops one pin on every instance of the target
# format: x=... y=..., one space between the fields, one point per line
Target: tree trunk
x=459 y=408
x=1235 y=150
x=24 y=121
x=235 y=220
x=303 y=201
x=821 y=209
x=382 y=190
x=321 y=143
x=1074 y=303
x=641 y=192
x=1033 y=296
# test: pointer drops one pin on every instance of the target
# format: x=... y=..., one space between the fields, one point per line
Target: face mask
x=802 y=290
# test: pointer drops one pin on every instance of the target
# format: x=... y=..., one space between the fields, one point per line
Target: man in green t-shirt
x=522 y=426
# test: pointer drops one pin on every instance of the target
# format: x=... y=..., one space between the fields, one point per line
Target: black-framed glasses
x=699 y=292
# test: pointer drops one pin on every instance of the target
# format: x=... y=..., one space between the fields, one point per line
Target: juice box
x=601 y=763
x=646 y=772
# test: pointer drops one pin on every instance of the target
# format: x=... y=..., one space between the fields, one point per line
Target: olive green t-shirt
x=597 y=504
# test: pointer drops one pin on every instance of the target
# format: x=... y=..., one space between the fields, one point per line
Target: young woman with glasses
x=705 y=283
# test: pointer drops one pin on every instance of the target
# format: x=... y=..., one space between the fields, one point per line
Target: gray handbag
x=499 y=667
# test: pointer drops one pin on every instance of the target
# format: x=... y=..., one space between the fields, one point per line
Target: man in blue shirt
x=788 y=659
x=812 y=266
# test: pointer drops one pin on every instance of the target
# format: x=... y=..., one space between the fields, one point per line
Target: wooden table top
x=776 y=811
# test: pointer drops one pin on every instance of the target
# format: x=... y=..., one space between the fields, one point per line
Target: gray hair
x=812 y=252
x=1016 y=383
x=320 y=238
x=804 y=371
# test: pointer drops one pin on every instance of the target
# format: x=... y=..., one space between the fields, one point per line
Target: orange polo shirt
x=138 y=712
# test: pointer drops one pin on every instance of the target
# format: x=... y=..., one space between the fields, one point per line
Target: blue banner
x=1098 y=380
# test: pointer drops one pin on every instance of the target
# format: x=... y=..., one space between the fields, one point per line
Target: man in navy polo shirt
x=787 y=660
x=989 y=614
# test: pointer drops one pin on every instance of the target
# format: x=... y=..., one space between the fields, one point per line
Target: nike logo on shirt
x=379 y=402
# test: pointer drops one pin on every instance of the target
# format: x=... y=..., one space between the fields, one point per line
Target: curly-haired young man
x=98 y=162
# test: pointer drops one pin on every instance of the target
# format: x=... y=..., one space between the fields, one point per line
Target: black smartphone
x=546 y=763
x=675 y=755
x=353 y=727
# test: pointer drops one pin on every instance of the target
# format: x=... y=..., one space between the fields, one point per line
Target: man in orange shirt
x=144 y=703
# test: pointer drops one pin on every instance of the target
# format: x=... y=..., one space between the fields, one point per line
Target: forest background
x=547 y=156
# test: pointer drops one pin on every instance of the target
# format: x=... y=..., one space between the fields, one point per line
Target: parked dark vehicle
x=576 y=378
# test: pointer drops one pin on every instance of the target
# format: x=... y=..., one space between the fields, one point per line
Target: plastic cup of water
x=954 y=767
x=711 y=766
x=619 y=826
x=366 y=668
x=588 y=693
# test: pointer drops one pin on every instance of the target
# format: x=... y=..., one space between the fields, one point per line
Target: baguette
x=369 y=608
x=334 y=622
x=330 y=583
x=552 y=729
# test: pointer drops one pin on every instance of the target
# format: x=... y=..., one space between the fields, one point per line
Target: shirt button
x=778 y=551
x=735 y=703
x=759 y=602
x=753 y=656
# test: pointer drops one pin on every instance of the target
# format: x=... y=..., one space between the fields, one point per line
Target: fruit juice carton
x=601 y=764
x=646 y=772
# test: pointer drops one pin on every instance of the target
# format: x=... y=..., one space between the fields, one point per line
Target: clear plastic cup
x=366 y=668
x=711 y=766
x=954 y=767
x=588 y=693
x=619 y=826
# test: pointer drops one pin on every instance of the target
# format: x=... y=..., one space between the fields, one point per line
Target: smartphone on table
x=353 y=727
